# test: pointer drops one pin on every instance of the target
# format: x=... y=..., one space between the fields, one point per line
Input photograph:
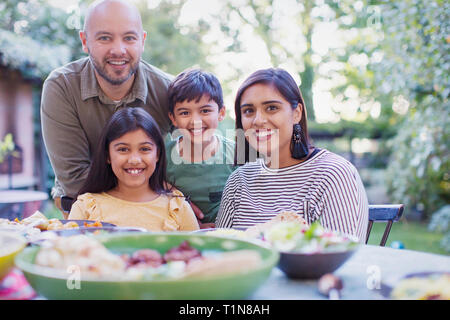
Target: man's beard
x=115 y=82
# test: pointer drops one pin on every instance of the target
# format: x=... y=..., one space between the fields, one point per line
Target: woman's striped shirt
x=325 y=187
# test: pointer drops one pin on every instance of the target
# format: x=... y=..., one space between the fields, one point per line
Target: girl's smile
x=133 y=158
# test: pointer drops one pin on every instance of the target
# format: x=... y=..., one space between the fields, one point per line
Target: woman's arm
x=344 y=205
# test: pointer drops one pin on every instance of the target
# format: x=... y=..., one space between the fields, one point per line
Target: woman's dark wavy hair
x=286 y=86
x=101 y=178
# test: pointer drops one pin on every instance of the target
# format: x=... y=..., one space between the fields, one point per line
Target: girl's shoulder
x=90 y=202
x=89 y=196
x=174 y=193
x=94 y=198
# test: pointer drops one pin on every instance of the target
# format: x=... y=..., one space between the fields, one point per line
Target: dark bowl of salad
x=309 y=253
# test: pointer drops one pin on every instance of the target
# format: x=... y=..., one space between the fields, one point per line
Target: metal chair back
x=388 y=213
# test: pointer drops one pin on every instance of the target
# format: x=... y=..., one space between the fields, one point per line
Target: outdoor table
x=362 y=275
x=30 y=198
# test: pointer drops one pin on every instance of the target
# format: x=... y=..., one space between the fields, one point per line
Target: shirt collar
x=90 y=87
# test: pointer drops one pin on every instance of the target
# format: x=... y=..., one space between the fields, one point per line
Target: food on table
x=288 y=231
x=225 y=263
x=431 y=287
x=239 y=234
x=294 y=237
x=95 y=224
x=32 y=226
x=55 y=224
x=285 y=216
x=330 y=286
x=82 y=251
x=184 y=252
x=37 y=219
x=95 y=261
x=144 y=258
x=18 y=228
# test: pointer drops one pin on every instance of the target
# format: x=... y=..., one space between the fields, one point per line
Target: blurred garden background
x=374 y=75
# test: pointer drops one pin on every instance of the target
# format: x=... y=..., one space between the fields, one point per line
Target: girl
x=126 y=184
x=294 y=176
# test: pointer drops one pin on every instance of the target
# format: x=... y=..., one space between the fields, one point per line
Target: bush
x=417 y=174
x=440 y=222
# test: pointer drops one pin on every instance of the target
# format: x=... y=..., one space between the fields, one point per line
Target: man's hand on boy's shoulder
x=198 y=213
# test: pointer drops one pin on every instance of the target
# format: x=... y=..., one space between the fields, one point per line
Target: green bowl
x=231 y=286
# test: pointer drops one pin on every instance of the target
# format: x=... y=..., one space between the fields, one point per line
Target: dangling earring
x=299 y=148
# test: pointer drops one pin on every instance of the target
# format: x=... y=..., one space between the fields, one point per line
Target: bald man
x=80 y=97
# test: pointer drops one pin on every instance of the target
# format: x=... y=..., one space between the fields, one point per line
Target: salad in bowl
x=294 y=237
x=306 y=251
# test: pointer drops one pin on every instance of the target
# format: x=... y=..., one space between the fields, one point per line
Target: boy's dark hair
x=192 y=84
x=101 y=178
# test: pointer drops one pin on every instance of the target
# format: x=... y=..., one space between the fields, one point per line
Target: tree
x=168 y=46
x=415 y=67
x=266 y=19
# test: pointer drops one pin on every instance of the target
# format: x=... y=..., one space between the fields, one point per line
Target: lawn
x=414 y=236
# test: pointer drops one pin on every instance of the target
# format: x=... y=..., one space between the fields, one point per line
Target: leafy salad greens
x=294 y=237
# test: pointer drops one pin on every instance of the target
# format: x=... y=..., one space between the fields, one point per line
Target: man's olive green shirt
x=74 y=111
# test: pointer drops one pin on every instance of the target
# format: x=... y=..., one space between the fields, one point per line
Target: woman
x=293 y=175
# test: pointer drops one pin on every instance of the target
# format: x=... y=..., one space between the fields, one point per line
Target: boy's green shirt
x=205 y=181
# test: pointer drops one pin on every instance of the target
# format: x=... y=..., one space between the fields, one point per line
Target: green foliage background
x=406 y=46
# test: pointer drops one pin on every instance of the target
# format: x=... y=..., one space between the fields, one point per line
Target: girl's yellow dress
x=165 y=213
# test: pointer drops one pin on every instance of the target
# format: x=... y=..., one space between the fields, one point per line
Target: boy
x=199 y=160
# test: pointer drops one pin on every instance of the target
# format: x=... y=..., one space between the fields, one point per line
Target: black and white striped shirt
x=325 y=187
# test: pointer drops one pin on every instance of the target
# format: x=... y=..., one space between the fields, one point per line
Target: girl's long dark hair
x=101 y=178
x=285 y=84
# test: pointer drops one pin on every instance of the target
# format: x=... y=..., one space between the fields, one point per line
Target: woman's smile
x=268 y=119
x=263 y=134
